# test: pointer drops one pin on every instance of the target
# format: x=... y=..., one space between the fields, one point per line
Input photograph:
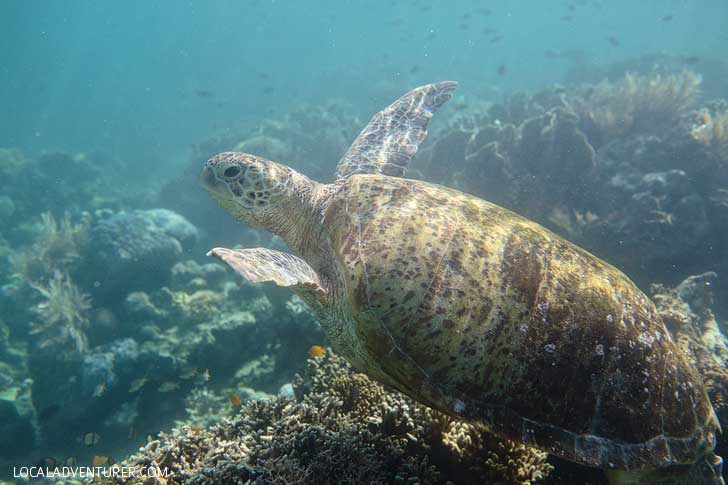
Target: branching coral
x=63 y=313
x=637 y=104
x=341 y=427
x=504 y=460
x=56 y=247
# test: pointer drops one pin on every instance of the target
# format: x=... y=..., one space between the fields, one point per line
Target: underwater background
x=605 y=121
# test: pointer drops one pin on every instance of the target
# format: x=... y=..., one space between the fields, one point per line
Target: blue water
x=122 y=77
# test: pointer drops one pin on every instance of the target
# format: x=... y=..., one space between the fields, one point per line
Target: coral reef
x=107 y=326
x=342 y=427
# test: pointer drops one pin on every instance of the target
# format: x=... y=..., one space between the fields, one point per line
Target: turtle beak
x=208 y=180
x=216 y=188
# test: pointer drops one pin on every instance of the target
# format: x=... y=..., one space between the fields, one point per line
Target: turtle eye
x=231 y=172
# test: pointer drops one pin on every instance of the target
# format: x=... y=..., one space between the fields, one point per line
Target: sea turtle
x=472 y=309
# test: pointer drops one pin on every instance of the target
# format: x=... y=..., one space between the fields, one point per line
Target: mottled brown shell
x=486 y=315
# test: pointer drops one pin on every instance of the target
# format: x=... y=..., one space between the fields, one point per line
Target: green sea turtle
x=472 y=309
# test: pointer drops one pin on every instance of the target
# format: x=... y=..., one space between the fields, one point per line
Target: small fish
x=502 y=69
x=137 y=384
x=268 y=90
x=196 y=430
x=414 y=69
x=691 y=60
x=484 y=11
x=316 y=351
x=100 y=460
x=71 y=461
x=463 y=26
x=666 y=18
x=235 y=400
x=489 y=30
x=549 y=54
x=203 y=93
x=495 y=39
x=89 y=439
x=431 y=36
x=168 y=386
x=188 y=373
x=204 y=376
x=566 y=18
x=132 y=434
x=99 y=390
x=613 y=40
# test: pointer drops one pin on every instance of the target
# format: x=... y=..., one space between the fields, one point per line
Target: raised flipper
x=260 y=264
x=392 y=137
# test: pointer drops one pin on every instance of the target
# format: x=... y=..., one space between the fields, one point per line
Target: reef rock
x=687 y=311
x=128 y=251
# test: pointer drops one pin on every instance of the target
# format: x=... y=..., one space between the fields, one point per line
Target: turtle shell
x=483 y=314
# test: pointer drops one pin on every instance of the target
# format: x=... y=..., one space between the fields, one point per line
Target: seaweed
x=636 y=105
x=63 y=314
x=711 y=132
x=56 y=246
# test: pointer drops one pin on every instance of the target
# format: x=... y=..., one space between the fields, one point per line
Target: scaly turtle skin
x=472 y=309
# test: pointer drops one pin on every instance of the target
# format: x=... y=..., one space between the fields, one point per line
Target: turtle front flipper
x=260 y=265
x=392 y=137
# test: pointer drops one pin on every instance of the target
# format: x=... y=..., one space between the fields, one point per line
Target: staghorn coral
x=505 y=460
x=63 y=313
x=56 y=246
x=636 y=104
x=341 y=427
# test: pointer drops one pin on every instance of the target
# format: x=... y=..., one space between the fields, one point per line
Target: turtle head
x=259 y=192
x=251 y=188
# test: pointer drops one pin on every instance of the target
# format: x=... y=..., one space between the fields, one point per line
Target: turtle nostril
x=231 y=172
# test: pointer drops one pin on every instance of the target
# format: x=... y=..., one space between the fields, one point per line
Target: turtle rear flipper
x=260 y=265
x=393 y=135
x=706 y=471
